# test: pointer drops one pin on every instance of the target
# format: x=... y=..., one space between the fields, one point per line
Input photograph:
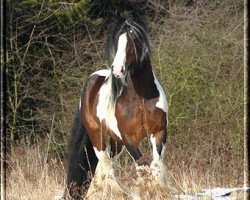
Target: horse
x=119 y=107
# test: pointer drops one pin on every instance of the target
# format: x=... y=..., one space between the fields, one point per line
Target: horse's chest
x=134 y=108
x=136 y=114
x=131 y=113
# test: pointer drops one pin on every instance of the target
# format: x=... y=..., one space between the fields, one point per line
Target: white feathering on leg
x=157 y=167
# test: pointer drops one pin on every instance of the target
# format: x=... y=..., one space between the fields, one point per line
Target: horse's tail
x=81 y=159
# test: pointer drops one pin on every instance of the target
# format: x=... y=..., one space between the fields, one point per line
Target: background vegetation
x=197 y=54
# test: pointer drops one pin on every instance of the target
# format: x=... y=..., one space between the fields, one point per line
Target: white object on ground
x=216 y=193
x=58 y=197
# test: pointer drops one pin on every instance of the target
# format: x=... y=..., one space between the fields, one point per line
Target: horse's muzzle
x=119 y=72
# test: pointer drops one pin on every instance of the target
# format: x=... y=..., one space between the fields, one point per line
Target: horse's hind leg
x=157 y=166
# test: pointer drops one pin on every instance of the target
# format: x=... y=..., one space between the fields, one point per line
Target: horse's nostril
x=122 y=69
x=112 y=68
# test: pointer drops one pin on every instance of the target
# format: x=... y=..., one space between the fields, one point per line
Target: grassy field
x=33 y=176
x=198 y=57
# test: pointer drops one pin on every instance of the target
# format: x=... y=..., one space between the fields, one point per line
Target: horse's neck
x=143 y=81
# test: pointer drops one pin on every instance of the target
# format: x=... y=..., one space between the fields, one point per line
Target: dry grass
x=32 y=176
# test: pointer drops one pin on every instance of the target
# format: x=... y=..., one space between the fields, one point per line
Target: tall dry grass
x=32 y=176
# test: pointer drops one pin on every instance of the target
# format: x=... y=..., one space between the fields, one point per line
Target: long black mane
x=138 y=25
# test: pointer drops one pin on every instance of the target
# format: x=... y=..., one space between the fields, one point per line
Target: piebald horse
x=119 y=107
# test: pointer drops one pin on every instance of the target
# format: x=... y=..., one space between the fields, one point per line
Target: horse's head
x=129 y=45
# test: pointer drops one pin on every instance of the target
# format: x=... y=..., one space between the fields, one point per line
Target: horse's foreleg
x=116 y=149
x=104 y=184
x=157 y=166
x=135 y=153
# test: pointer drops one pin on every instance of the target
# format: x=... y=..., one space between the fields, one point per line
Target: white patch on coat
x=162 y=102
x=156 y=155
x=120 y=56
x=103 y=72
x=105 y=111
